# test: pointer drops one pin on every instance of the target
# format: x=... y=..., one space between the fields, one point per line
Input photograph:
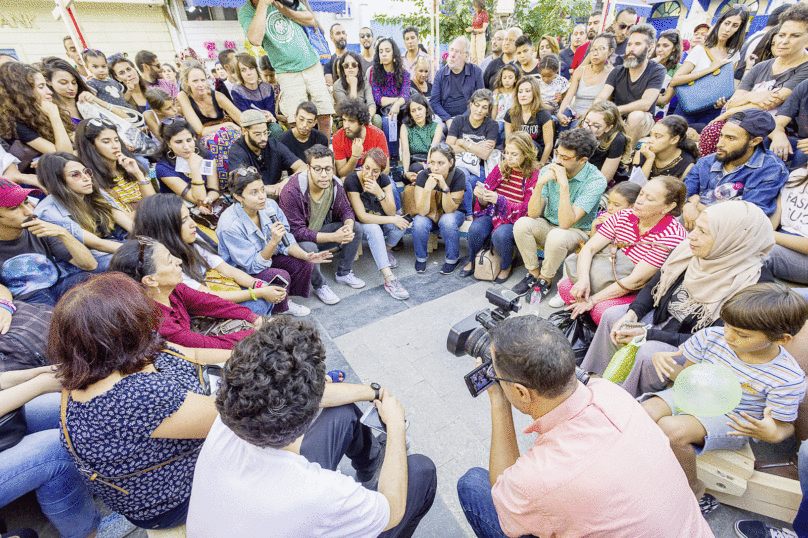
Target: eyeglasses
x=622 y=26
x=116 y=56
x=320 y=170
x=76 y=174
x=143 y=242
x=172 y=120
x=591 y=126
x=101 y=122
x=93 y=50
x=564 y=158
x=493 y=375
x=363 y=36
x=244 y=172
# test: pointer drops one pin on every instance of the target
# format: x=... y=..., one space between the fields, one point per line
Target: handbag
x=128 y=128
x=487 y=265
x=25 y=153
x=209 y=326
x=579 y=331
x=623 y=360
x=12 y=428
x=702 y=93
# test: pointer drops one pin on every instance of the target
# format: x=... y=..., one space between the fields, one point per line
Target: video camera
x=471 y=336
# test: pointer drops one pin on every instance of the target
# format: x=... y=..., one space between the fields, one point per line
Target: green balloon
x=707 y=390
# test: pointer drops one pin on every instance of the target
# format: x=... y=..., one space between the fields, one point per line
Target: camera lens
x=479 y=344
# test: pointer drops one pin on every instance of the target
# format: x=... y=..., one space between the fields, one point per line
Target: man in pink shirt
x=599 y=466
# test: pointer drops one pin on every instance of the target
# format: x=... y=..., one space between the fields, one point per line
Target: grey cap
x=252 y=117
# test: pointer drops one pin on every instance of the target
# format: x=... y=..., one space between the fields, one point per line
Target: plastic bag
x=579 y=331
x=623 y=360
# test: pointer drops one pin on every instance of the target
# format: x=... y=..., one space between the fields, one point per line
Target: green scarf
x=319 y=209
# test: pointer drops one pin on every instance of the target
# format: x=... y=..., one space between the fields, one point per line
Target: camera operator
x=268 y=465
x=599 y=466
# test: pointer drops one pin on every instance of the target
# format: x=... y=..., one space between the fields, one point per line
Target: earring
x=170 y=154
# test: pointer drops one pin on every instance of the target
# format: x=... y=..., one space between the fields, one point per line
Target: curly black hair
x=580 y=140
x=354 y=108
x=272 y=384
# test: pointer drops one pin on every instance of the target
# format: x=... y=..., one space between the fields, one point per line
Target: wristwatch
x=384 y=195
x=378 y=388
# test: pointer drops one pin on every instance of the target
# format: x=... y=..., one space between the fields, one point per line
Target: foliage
x=536 y=18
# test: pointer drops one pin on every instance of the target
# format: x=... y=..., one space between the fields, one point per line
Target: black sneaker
x=525 y=285
x=708 y=503
x=542 y=287
x=420 y=267
x=448 y=268
x=753 y=528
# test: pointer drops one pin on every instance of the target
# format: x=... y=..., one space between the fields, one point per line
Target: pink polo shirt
x=600 y=467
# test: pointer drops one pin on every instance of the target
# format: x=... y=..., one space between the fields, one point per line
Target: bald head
x=509 y=43
x=496 y=42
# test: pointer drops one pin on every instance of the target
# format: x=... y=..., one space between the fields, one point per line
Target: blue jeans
x=40 y=463
x=449 y=226
x=502 y=239
x=379 y=237
x=471 y=182
x=50 y=296
x=396 y=196
x=474 y=493
x=788 y=264
x=260 y=307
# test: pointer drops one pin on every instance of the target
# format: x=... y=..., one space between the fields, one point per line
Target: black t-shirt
x=626 y=91
x=462 y=130
x=616 y=58
x=456 y=181
x=274 y=159
x=299 y=148
x=614 y=151
x=491 y=71
x=676 y=168
x=567 y=55
x=796 y=108
x=415 y=87
x=372 y=205
x=534 y=127
x=535 y=71
x=26 y=134
x=328 y=68
x=28 y=263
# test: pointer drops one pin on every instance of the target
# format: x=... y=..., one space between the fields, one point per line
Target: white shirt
x=794 y=201
x=214 y=260
x=243 y=490
x=698 y=57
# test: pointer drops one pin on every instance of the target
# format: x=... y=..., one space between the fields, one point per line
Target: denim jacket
x=241 y=241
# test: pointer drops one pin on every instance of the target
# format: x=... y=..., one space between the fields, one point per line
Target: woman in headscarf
x=724 y=254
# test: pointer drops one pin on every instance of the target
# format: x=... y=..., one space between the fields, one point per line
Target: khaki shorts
x=306 y=85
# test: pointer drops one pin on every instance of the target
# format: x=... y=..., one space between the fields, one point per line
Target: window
x=727 y=4
x=664 y=10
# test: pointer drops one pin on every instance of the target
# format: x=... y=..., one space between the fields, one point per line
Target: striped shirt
x=779 y=383
x=511 y=188
x=126 y=192
x=622 y=227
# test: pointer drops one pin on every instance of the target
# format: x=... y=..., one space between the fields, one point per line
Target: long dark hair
x=169 y=128
x=677 y=126
x=417 y=97
x=19 y=103
x=763 y=50
x=92 y=212
x=159 y=217
x=51 y=66
x=120 y=59
x=86 y=133
x=733 y=43
x=676 y=54
x=360 y=79
x=379 y=74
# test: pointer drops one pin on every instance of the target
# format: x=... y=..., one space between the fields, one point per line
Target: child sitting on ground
x=758 y=321
x=107 y=89
x=553 y=86
x=161 y=106
x=621 y=196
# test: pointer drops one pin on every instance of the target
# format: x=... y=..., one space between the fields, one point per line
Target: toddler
x=106 y=88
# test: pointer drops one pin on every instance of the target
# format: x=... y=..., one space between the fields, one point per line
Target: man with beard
x=455 y=82
x=626 y=18
x=592 y=31
x=496 y=49
x=265 y=154
x=634 y=86
x=412 y=43
x=508 y=56
x=577 y=38
x=356 y=137
x=152 y=72
x=366 y=54
x=741 y=166
x=303 y=135
x=340 y=39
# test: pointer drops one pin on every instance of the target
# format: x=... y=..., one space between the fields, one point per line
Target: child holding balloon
x=758 y=321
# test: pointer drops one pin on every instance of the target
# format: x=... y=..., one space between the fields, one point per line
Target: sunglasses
x=93 y=50
x=102 y=122
x=172 y=120
x=143 y=242
x=741 y=7
x=363 y=36
x=117 y=55
x=76 y=174
x=622 y=26
x=244 y=172
x=347 y=65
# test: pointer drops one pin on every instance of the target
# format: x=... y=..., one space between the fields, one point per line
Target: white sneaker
x=396 y=290
x=298 y=310
x=326 y=294
x=351 y=279
x=556 y=301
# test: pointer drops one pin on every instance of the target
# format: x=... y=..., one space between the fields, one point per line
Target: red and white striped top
x=622 y=228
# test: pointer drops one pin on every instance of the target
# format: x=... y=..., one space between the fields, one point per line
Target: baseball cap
x=702 y=25
x=12 y=195
x=252 y=117
x=756 y=122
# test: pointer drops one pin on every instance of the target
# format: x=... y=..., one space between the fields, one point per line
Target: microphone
x=273 y=218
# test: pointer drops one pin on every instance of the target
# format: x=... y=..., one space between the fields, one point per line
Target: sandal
x=337 y=376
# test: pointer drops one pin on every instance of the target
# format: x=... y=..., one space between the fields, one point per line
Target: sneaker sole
x=394 y=297
x=328 y=302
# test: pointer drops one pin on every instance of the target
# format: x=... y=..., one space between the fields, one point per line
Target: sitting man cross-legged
x=599 y=465
x=270 y=460
x=561 y=210
x=320 y=217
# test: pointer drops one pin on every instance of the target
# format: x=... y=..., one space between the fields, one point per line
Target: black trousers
x=337 y=432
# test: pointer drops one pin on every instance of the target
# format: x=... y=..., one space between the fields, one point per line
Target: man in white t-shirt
x=268 y=465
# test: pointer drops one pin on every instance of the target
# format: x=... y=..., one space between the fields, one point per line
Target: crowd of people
x=155 y=218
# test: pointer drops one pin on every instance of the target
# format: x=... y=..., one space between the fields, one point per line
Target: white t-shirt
x=794 y=201
x=214 y=260
x=242 y=490
x=698 y=57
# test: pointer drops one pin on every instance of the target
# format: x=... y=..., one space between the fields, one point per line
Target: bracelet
x=214 y=190
x=8 y=305
x=257 y=283
x=198 y=184
x=144 y=182
x=384 y=195
x=252 y=294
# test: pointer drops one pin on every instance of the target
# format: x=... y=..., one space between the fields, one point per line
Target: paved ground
x=402 y=345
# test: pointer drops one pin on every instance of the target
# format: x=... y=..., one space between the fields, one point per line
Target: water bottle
x=535 y=302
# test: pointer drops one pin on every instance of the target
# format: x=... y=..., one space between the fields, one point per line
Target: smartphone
x=477 y=380
x=372 y=420
x=409 y=218
x=279 y=281
x=632 y=325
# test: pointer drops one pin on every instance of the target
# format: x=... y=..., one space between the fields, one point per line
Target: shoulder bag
x=12 y=428
x=703 y=93
x=487 y=265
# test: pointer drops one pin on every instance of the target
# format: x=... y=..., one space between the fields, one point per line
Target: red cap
x=12 y=195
